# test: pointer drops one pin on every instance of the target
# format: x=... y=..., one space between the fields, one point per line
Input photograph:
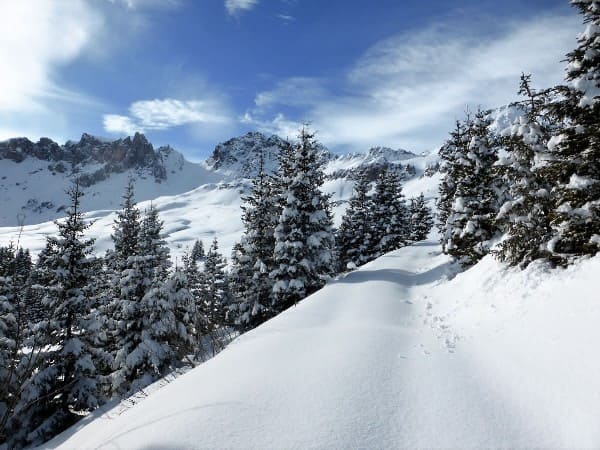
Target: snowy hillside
x=395 y=355
x=196 y=201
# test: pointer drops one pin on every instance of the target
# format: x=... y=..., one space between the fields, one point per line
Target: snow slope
x=396 y=354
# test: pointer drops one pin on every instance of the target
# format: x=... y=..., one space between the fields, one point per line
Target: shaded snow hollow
x=395 y=354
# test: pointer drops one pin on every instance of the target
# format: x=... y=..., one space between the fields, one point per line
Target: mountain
x=196 y=201
x=402 y=353
x=34 y=176
x=238 y=158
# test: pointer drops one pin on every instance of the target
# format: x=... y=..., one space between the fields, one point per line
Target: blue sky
x=192 y=73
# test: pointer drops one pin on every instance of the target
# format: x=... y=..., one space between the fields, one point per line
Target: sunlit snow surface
x=399 y=354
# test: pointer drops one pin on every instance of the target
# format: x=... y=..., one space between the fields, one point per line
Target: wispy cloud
x=286 y=18
x=407 y=90
x=236 y=7
x=148 y=115
x=295 y=91
x=37 y=38
x=137 y=4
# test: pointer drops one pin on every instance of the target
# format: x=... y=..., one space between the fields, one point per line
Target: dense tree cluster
x=78 y=330
x=531 y=191
x=380 y=222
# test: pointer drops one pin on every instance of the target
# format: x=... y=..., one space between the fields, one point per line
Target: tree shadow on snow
x=443 y=271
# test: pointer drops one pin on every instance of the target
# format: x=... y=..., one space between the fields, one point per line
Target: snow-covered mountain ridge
x=196 y=201
x=34 y=176
x=402 y=353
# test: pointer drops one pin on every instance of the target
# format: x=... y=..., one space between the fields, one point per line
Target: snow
x=579 y=182
x=403 y=352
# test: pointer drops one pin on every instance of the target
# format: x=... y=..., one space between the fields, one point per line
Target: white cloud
x=407 y=91
x=279 y=125
x=37 y=38
x=166 y=113
x=137 y=4
x=236 y=7
x=286 y=18
x=295 y=91
x=114 y=123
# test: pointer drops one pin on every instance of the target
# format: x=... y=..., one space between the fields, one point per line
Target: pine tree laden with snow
x=525 y=215
x=420 y=219
x=389 y=216
x=64 y=386
x=254 y=260
x=471 y=225
x=576 y=149
x=303 y=237
x=354 y=236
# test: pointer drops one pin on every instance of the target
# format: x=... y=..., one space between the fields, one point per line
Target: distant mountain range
x=35 y=175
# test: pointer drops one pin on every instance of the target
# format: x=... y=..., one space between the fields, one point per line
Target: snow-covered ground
x=400 y=353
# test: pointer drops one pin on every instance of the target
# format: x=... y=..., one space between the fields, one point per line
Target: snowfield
x=400 y=353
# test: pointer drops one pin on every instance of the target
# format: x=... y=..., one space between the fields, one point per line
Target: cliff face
x=93 y=158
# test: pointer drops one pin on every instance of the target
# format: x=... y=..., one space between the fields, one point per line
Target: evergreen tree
x=389 y=215
x=214 y=304
x=64 y=386
x=471 y=223
x=126 y=231
x=420 y=219
x=525 y=215
x=9 y=341
x=575 y=150
x=451 y=167
x=254 y=259
x=214 y=289
x=143 y=310
x=185 y=314
x=303 y=236
x=239 y=313
x=152 y=246
x=197 y=252
x=353 y=238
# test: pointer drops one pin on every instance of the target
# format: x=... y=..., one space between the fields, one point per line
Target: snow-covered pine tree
x=144 y=311
x=215 y=296
x=240 y=276
x=471 y=223
x=184 y=340
x=64 y=386
x=303 y=236
x=9 y=341
x=215 y=301
x=252 y=302
x=576 y=148
x=389 y=216
x=167 y=311
x=197 y=252
x=420 y=219
x=153 y=247
x=353 y=238
x=126 y=232
x=451 y=167
x=129 y=281
x=524 y=216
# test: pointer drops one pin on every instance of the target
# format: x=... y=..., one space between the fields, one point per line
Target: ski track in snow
x=403 y=353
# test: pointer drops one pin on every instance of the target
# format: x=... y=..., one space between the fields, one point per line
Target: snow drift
x=400 y=353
